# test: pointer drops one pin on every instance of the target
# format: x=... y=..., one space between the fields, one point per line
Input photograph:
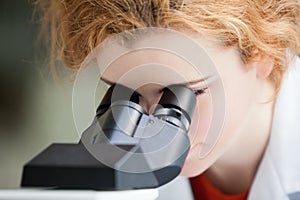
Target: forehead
x=161 y=58
x=150 y=66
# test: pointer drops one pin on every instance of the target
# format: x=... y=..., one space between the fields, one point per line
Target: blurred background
x=35 y=111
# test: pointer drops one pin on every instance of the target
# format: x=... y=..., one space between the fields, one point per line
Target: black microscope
x=124 y=148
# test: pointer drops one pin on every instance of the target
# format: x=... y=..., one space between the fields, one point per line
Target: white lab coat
x=278 y=175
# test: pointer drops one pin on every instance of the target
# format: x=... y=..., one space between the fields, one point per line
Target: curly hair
x=255 y=27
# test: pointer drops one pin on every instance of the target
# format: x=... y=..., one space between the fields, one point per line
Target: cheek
x=201 y=120
x=238 y=89
x=198 y=131
x=238 y=101
x=240 y=96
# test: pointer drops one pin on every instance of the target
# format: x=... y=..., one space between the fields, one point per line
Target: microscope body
x=124 y=147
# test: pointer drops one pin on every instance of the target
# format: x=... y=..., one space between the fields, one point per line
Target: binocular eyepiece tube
x=120 y=109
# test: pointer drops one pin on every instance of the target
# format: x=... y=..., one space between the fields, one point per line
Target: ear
x=264 y=66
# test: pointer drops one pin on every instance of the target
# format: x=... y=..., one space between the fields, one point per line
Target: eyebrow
x=193 y=82
x=107 y=81
x=190 y=83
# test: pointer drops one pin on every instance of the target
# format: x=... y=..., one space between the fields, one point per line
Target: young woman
x=253 y=44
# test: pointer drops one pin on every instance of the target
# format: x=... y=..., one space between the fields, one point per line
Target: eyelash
x=200 y=91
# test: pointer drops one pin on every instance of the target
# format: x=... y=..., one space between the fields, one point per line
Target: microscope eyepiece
x=115 y=93
x=176 y=106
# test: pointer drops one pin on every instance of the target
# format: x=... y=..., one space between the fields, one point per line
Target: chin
x=191 y=169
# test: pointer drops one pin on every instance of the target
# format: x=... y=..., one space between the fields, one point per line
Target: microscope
x=124 y=148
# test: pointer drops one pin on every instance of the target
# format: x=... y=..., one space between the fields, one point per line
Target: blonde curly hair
x=255 y=27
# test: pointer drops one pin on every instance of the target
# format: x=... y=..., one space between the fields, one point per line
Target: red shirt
x=204 y=190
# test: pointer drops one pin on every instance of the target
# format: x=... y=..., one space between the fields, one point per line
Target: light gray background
x=34 y=110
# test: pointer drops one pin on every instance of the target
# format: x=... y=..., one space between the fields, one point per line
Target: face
x=228 y=85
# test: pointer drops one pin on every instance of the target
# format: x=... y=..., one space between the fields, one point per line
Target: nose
x=150 y=96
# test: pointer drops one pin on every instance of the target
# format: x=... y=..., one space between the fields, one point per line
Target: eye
x=200 y=91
